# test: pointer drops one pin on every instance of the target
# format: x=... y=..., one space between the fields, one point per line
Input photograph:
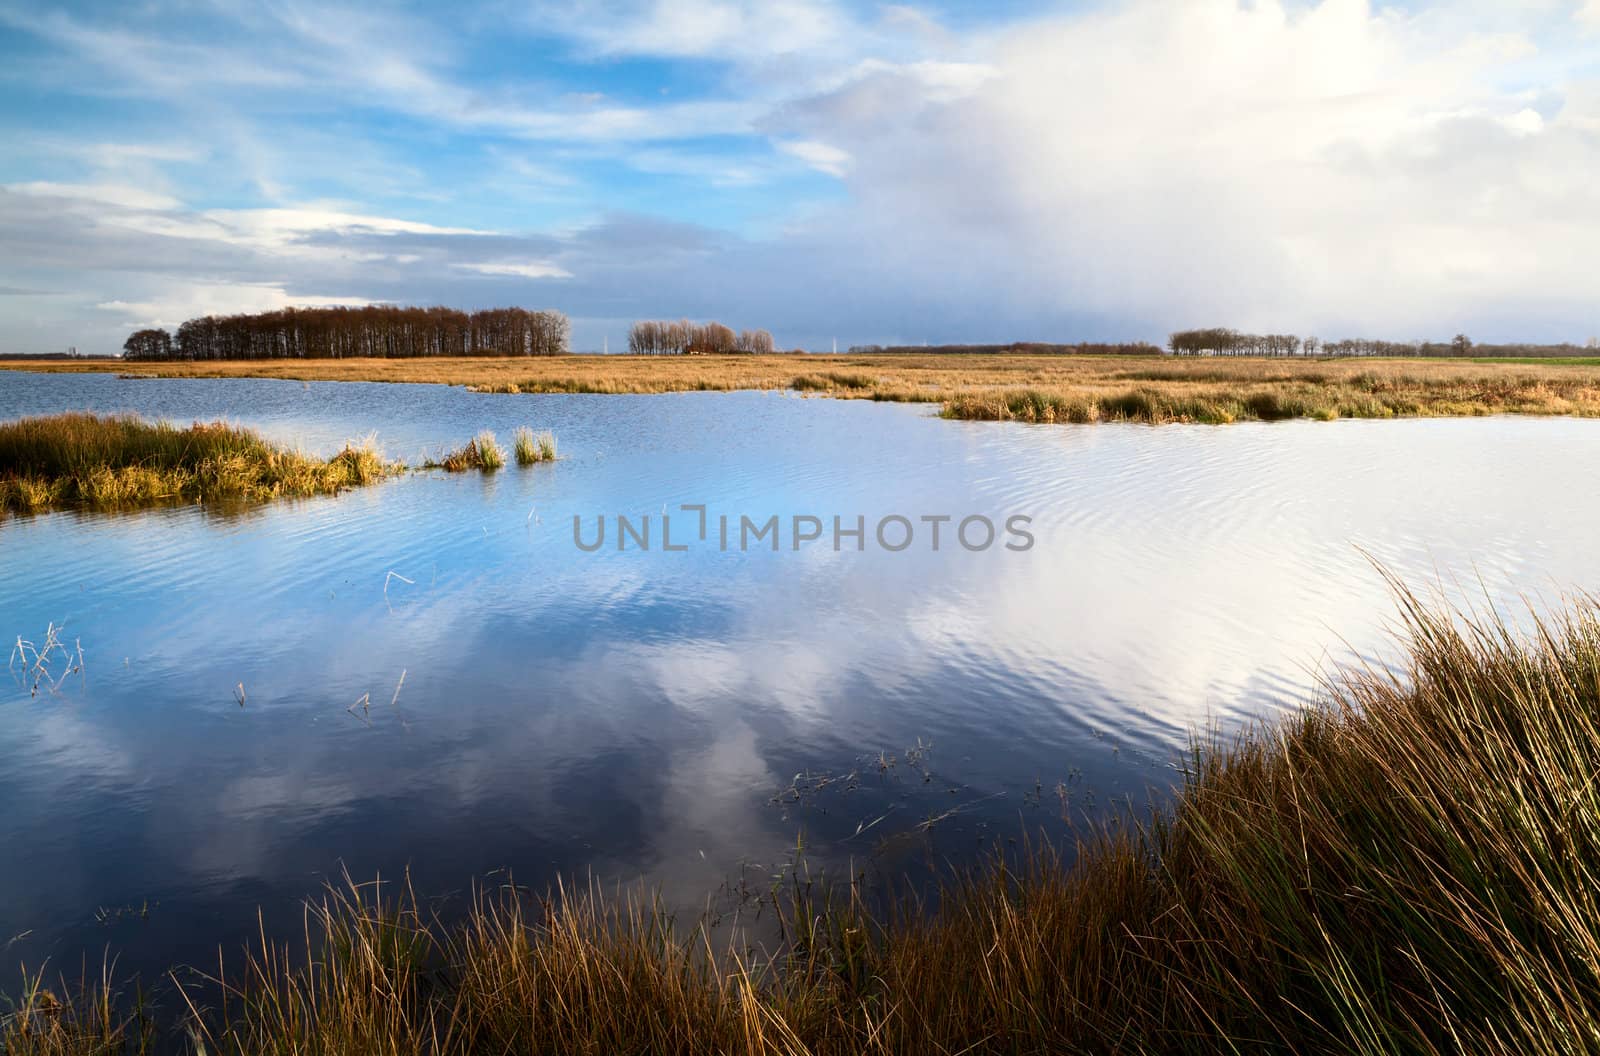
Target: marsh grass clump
x=1407 y=866
x=526 y=451
x=482 y=452
x=490 y=454
x=830 y=380
x=531 y=447
x=112 y=461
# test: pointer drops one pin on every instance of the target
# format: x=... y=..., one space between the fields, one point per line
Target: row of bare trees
x=1222 y=341
x=375 y=330
x=1225 y=341
x=654 y=337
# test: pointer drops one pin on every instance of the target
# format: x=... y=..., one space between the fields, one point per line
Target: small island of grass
x=483 y=452
x=120 y=461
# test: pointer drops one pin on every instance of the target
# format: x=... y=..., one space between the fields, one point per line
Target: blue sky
x=871 y=172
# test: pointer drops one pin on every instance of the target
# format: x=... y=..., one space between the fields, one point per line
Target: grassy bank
x=1408 y=867
x=1029 y=388
x=109 y=461
x=123 y=462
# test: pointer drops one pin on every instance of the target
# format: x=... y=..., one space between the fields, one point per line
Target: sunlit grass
x=112 y=461
x=491 y=455
x=1408 y=866
x=828 y=381
x=531 y=447
x=482 y=452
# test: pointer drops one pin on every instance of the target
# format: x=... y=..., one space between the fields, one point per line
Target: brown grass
x=1408 y=867
x=482 y=452
x=1010 y=387
x=121 y=461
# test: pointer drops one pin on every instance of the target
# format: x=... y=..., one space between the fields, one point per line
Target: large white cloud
x=1196 y=161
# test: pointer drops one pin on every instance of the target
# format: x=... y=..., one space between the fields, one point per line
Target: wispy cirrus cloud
x=533 y=270
x=818 y=155
x=740 y=31
x=194 y=299
x=105 y=193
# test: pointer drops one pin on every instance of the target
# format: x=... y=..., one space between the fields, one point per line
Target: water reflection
x=637 y=713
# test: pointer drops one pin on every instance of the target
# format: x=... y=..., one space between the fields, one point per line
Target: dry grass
x=482 y=452
x=1408 y=867
x=1012 y=387
x=534 y=447
x=120 y=461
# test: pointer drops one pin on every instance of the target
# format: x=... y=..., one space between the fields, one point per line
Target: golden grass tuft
x=1408 y=866
x=122 y=461
x=491 y=456
x=482 y=452
x=531 y=447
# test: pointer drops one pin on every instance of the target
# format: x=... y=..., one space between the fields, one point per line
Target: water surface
x=642 y=714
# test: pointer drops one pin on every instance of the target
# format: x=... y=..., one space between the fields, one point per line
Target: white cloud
x=820 y=156
x=106 y=193
x=943 y=81
x=716 y=170
x=190 y=300
x=1185 y=163
x=280 y=227
x=119 y=155
x=526 y=271
x=1524 y=122
x=738 y=29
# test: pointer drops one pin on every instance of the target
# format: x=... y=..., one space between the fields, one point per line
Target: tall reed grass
x=103 y=461
x=1407 y=867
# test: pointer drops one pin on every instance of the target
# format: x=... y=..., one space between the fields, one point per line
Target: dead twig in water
x=393 y=575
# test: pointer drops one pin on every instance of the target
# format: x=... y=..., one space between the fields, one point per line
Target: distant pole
x=836 y=346
x=606 y=343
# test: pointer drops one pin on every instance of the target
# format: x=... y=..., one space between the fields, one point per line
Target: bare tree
x=148 y=344
x=375 y=330
x=660 y=338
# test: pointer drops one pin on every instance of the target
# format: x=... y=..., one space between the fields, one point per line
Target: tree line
x=657 y=337
x=380 y=331
x=1224 y=341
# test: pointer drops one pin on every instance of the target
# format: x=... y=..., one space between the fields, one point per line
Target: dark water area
x=678 y=716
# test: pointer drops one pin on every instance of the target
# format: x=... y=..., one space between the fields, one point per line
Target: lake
x=430 y=674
